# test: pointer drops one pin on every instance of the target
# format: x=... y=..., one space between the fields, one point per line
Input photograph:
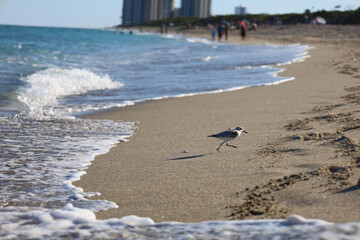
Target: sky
x=107 y=13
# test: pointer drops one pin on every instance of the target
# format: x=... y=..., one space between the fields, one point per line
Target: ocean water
x=48 y=76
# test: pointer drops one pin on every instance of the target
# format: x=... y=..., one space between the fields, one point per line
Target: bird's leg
x=220 y=146
x=231 y=145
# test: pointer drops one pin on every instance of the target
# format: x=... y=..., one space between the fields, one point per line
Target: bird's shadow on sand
x=350 y=189
x=190 y=157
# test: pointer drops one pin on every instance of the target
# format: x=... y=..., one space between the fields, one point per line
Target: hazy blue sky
x=103 y=13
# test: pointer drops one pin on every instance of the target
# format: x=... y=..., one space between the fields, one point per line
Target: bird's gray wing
x=227 y=134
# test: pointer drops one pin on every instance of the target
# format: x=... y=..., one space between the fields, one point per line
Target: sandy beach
x=301 y=155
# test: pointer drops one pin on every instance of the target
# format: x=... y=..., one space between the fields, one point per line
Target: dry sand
x=301 y=155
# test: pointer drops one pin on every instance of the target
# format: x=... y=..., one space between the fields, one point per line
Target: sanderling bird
x=229 y=135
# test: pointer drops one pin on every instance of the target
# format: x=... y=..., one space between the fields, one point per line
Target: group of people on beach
x=223 y=29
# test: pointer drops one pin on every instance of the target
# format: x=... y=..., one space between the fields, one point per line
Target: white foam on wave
x=171 y=36
x=208 y=58
x=177 y=36
x=287 y=79
x=51 y=150
x=143 y=33
x=46 y=86
x=300 y=57
x=199 y=40
x=49 y=154
x=83 y=109
x=72 y=222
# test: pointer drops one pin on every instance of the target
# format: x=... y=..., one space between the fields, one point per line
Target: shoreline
x=150 y=176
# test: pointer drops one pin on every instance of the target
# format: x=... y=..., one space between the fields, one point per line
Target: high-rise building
x=152 y=8
x=138 y=11
x=167 y=8
x=240 y=10
x=133 y=12
x=196 y=8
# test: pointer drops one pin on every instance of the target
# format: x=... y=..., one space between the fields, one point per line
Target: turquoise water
x=50 y=75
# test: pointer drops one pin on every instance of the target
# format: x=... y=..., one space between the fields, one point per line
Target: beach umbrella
x=319 y=20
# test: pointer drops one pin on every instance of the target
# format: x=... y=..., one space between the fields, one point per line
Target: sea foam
x=45 y=87
x=72 y=222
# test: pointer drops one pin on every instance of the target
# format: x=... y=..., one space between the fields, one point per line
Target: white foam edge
x=40 y=222
x=186 y=38
x=212 y=92
x=131 y=103
x=301 y=57
x=91 y=109
x=79 y=193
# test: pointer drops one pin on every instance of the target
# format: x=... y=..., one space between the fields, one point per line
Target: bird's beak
x=245 y=132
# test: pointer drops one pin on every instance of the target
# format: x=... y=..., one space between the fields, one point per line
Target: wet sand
x=301 y=155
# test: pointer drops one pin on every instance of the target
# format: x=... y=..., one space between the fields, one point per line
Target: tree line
x=332 y=17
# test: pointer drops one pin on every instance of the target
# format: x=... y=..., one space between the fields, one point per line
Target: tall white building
x=240 y=10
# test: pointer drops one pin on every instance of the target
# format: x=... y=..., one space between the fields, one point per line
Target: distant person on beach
x=213 y=34
x=213 y=31
x=226 y=30
x=164 y=29
x=242 y=30
x=253 y=27
x=220 y=31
